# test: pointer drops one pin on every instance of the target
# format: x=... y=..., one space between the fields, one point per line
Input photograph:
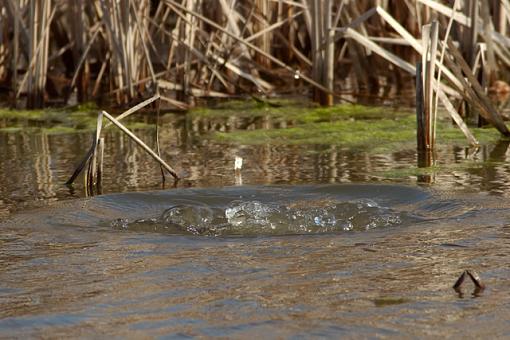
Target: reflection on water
x=366 y=260
x=44 y=162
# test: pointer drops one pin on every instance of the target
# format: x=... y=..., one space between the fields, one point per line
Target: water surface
x=366 y=250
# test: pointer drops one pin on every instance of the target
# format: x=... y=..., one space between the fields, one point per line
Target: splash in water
x=258 y=218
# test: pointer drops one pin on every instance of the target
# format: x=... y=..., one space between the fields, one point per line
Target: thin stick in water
x=142 y=144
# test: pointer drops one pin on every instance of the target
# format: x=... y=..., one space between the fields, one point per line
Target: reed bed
x=124 y=51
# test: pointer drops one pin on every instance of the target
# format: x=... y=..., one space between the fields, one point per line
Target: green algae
x=136 y=126
x=11 y=129
x=409 y=171
x=80 y=118
x=438 y=169
x=370 y=134
x=243 y=109
x=371 y=129
x=356 y=134
x=450 y=134
x=23 y=114
x=350 y=112
x=56 y=130
x=61 y=129
x=303 y=112
x=85 y=107
x=50 y=115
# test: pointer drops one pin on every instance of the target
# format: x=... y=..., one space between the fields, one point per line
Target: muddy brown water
x=318 y=241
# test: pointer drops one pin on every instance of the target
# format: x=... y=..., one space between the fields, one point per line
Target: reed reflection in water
x=43 y=162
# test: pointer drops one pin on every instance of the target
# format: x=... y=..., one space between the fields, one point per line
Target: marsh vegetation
x=121 y=51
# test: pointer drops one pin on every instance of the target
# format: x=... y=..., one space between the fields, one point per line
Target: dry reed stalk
x=176 y=103
x=100 y=163
x=329 y=66
x=264 y=41
x=129 y=58
x=32 y=53
x=494 y=115
x=367 y=43
x=386 y=54
x=505 y=10
x=273 y=27
x=186 y=33
x=487 y=33
x=322 y=49
x=445 y=100
x=234 y=42
x=100 y=74
x=480 y=58
x=421 y=119
x=136 y=108
x=398 y=61
x=196 y=92
x=80 y=52
x=426 y=81
x=15 y=51
x=248 y=44
x=457 y=118
x=33 y=75
x=144 y=37
x=412 y=41
x=424 y=152
x=261 y=84
x=316 y=37
x=79 y=73
x=471 y=32
x=94 y=159
x=429 y=43
x=4 y=49
x=294 y=50
x=472 y=91
x=144 y=146
x=92 y=170
x=40 y=17
x=92 y=149
x=447 y=11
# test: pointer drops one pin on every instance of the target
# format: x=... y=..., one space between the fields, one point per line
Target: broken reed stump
x=93 y=159
x=144 y=146
x=425 y=113
x=422 y=133
x=475 y=278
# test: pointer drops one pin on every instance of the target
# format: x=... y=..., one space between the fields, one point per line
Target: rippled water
x=151 y=264
x=359 y=254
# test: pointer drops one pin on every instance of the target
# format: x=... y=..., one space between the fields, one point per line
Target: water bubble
x=325 y=220
x=252 y=217
x=347 y=226
x=122 y=223
x=194 y=219
x=248 y=213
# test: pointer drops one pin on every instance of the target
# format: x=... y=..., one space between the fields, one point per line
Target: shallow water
x=372 y=255
x=67 y=270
